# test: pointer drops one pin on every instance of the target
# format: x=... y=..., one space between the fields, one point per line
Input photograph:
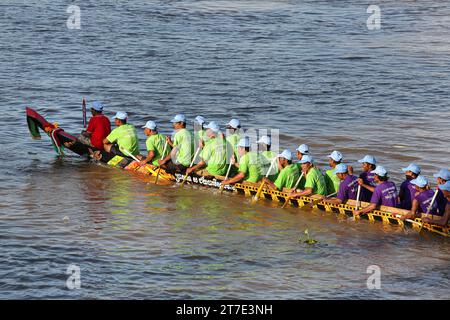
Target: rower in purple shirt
x=348 y=187
x=407 y=189
x=445 y=219
x=422 y=202
x=384 y=194
x=366 y=178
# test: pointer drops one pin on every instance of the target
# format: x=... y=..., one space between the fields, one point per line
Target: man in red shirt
x=98 y=129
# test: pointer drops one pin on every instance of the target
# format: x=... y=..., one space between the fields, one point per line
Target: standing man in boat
x=445 y=219
x=348 y=187
x=213 y=155
x=367 y=178
x=315 y=181
x=267 y=157
x=155 y=144
x=288 y=175
x=248 y=165
x=331 y=179
x=422 y=201
x=98 y=129
x=182 y=153
x=122 y=139
x=233 y=135
x=407 y=189
x=384 y=194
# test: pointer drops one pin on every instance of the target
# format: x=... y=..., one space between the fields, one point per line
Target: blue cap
x=265 y=140
x=214 y=126
x=121 y=115
x=287 y=154
x=200 y=120
x=178 y=118
x=97 y=106
x=445 y=186
x=303 y=149
x=420 y=181
x=380 y=171
x=336 y=156
x=244 y=142
x=341 y=168
x=306 y=159
x=150 y=125
x=443 y=174
x=413 y=168
x=368 y=159
x=234 y=123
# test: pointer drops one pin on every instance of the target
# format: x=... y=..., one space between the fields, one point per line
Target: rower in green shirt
x=155 y=144
x=248 y=166
x=331 y=178
x=183 y=147
x=199 y=131
x=233 y=135
x=315 y=182
x=302 y=150
x=123 y=139
x=213 y=155
x=267 y=156
x=288 y=175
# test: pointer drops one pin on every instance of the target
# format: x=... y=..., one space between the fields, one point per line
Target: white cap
x=97 y=106
x=306 y=159
x=121 y=115
x=234 y=123
x=414 y=168
x=244 y=142
x=287 y=154
x=380 y=171
x=265 y=139
x=303 y=149
x=336 y=156
x=200 y=120
x=213 y=126
x=420 y=181
x=368 y=159
x=150 y=125
x=178 y=118
x=341 y=168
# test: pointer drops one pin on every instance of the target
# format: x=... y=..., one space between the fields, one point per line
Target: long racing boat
x=62 y=140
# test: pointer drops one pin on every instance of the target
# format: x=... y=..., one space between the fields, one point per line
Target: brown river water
x=310 y=69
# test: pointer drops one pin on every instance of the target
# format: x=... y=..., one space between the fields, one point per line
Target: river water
x=310 y=69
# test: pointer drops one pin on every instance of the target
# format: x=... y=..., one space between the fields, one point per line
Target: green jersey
x=248 y=164
x=184 y=141
x=287 y=177
x=332 y=181
x=126 y=138
x=214 y=154
x=267 y=158
x=316 y=181
x=156 y=143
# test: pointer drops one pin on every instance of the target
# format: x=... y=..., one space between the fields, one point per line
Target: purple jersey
x=348 y=188
x=385 y=194
x=407 y=194
x=424 y=199
x=368 y=178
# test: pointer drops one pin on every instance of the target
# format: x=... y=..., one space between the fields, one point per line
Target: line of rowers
x=279 y=171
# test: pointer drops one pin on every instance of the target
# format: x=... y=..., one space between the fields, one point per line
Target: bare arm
x=198 y=166
x=306 y=192
x=367 y=209
x=365 y=186
x=237 y=178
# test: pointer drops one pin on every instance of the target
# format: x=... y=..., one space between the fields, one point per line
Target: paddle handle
x=260 y=189
x=84 y=113
x=162 y=157
x=192 y=163
x=226 y=176
x=432 y=201
x=295 y=188
x=357 y=197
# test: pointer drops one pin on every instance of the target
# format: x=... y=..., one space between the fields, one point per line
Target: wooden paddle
x=222 y=186
x=260 y=189
x=84 y=113
x=295 y=188
x=430 y=207
x=192 y=163
x=162 y=157
x=357 y=197
x=315 y=202
x=136 y=159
